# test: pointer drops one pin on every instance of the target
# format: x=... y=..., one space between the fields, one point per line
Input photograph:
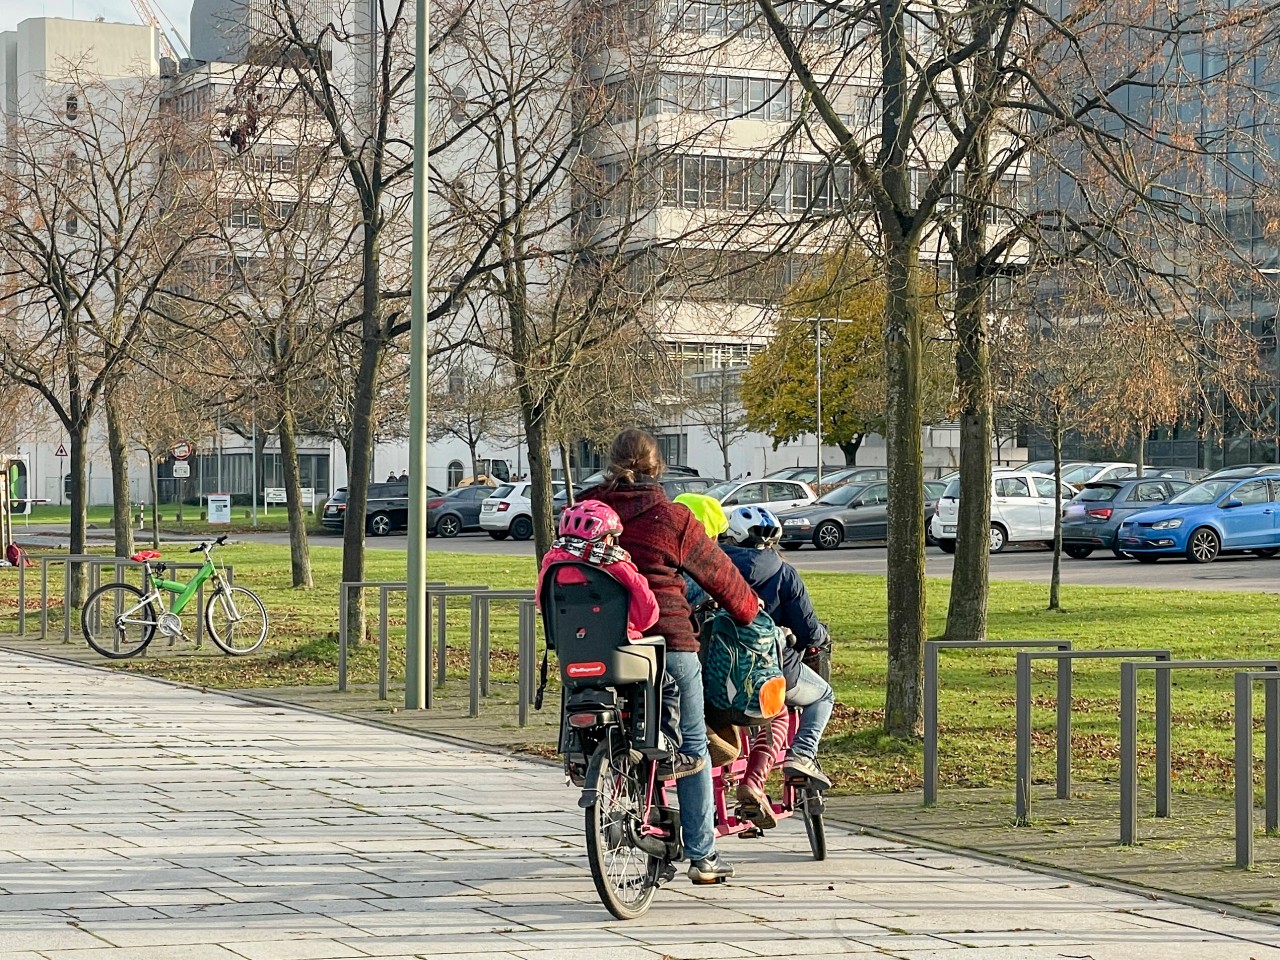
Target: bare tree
x=714 y=403
x=90 y=239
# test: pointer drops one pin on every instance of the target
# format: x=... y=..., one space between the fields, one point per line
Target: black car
x=387 y=509
x=457 y=511
x=853 y=512
x=1242 y=470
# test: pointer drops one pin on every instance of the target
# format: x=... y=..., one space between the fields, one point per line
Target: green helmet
x=708 y=512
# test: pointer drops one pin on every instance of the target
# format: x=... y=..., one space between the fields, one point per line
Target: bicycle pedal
x=711 y=882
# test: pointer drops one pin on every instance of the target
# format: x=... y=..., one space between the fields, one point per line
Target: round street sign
x=181 y=450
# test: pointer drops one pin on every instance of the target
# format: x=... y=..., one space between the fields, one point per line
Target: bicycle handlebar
x=205 y=546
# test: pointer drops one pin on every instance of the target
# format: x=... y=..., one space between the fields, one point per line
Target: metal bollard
x=382 y=643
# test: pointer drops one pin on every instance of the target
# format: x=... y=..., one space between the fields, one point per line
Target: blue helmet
x=752 y=526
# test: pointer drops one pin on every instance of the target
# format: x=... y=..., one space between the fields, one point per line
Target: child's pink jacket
x=642 y=613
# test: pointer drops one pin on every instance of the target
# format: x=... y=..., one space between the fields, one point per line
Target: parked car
x=777 y=495
x=851 y=475
x=457 y=511
x=1215 y=516
x=1244 y=470
x=855 y=512
x=670 y=469
x=1190 y=474
x=386 y=511
x=1091 y=521
x=1022 y=510
x=508 y=512
x=804 y=474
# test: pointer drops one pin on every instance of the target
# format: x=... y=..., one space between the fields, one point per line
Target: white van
x=1022 y=509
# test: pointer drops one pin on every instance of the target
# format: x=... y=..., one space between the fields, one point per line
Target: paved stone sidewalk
x=140 y=821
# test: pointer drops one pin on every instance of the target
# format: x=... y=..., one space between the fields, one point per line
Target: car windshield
x=953 y=489
x=722 y=490
x=1098 y=494
x=841 y=496
x=1208 y=492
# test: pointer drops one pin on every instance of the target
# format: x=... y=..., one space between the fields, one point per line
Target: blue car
x=1214 y=516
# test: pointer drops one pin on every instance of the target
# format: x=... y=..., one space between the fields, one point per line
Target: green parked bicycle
x=119 y=620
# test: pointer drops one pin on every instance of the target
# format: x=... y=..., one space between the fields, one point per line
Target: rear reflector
x=583 y=720
x=1099 y=513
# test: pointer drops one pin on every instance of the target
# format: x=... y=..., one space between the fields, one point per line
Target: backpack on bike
x=742 y=669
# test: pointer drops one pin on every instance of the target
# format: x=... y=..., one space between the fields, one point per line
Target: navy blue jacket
x=785 y=600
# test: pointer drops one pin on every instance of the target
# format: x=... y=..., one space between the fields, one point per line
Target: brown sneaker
x=753 y=805
x=683 y=765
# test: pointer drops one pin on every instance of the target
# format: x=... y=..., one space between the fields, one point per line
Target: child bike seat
x=144 y=555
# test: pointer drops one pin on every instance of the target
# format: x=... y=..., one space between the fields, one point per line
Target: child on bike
x=752 y=533
x=589 y=533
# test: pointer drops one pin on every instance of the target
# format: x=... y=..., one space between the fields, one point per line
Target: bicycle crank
x=169 y=624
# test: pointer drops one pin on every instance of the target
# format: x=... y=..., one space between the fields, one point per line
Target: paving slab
x=145 y=821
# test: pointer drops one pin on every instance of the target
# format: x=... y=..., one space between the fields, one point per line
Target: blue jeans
x=697 y=810
x=817 y=699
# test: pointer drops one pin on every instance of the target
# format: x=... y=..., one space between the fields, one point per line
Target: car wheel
x=521 y=528
x=1144 y=557
x=947 y=546
x=498 y=534
x=1075 y=551
x=1203 y=546
x=380 y=525
x=997 y=539
x=828 y=536
x=1266 y=553
x=448 y=526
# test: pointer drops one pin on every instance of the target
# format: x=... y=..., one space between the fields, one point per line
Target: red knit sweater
x=664 y=540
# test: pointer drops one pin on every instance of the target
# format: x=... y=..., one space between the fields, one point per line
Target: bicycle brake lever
x=197 y=549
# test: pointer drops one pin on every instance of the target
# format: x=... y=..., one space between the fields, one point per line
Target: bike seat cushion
x=143 y=555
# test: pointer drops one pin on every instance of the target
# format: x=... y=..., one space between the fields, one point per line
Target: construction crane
x=148 y=14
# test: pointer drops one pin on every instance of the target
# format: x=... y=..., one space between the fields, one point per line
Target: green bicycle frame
x=185 y=591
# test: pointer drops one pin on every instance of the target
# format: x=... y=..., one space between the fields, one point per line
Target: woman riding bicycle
x=665 y=540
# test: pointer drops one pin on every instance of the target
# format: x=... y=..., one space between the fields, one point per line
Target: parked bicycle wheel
x=811 y=807
x=236 y=620
x=625 y=876
x=118 y=620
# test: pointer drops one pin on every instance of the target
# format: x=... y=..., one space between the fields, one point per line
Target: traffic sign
x=62 y=450
x=181 y=470
x=181 y=450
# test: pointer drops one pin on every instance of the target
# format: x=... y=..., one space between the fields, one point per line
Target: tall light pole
x=417 y=689
x=817 y=326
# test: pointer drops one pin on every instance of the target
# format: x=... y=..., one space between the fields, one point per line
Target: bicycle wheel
x=625 y=876
x=811 y=810
x=236 y=620
x=118 y=621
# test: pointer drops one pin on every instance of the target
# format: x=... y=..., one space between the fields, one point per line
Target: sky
x=120 y=11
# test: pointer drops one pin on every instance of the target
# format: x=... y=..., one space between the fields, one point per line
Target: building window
x=73 y=224
x=73 y=106
x=674 y=447
x=455 y=473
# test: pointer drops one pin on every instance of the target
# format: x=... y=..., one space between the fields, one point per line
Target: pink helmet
x=590 y=520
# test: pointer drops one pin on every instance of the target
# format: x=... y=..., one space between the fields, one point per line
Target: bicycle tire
x=91 y=620
x=224 y=635
x=614 y=782
x=813 y=825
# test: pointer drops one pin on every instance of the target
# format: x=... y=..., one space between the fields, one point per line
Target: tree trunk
x=118 y=450
x=155 y=500
x=1055 y=579
x=1142 y=448
x=567 y=464
x=79 y=440
x=299 y=550
x=967 y=609
x=850 y=449
x=359 y=463
x=904 y=342
x=535 y=422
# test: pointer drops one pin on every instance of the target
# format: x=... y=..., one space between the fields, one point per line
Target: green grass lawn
x=976 y=708
x=100 y=518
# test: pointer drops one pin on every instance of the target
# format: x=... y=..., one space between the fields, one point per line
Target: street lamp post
x=817 y=323
x=417 y=692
